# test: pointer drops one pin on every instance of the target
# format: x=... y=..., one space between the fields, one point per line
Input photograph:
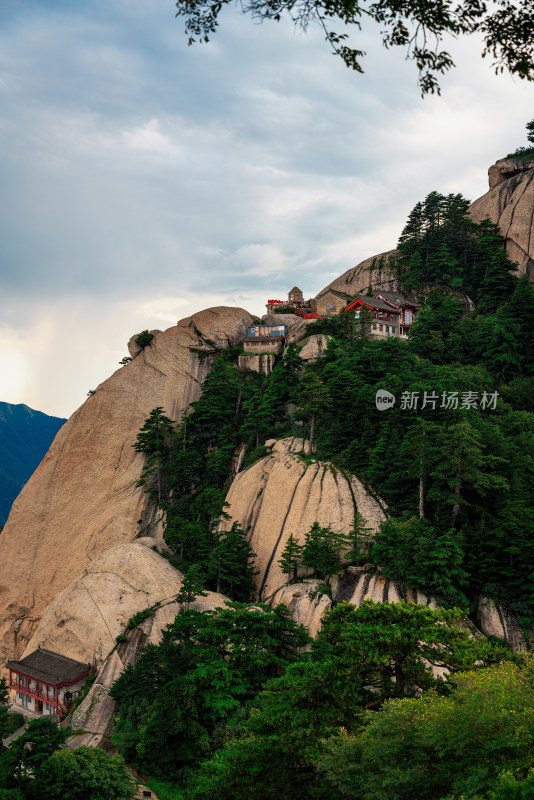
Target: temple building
x=389 y=313
x=45 y=683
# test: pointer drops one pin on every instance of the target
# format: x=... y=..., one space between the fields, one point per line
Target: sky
x=142 y=180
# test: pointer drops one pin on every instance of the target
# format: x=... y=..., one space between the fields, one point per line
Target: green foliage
x=178 y=699
x=414 y=552
x=290 y=559
x=361 y=658
x=154 y=441
x=144 y=339
x=425 y=748
x=230 y=563
x=440 y=244
x=507 y=31
x=138 y=618
x=83 y=774
x=27 y=754
x=191 y=586
x=321 y=551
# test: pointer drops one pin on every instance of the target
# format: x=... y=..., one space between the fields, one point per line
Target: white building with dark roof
x=45 y=683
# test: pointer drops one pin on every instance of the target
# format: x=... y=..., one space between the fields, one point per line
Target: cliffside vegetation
x=418 y=27
x=225 y=712
x=452 y=458
x=237 y=702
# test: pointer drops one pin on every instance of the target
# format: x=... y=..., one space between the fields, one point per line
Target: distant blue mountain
x=25 y=436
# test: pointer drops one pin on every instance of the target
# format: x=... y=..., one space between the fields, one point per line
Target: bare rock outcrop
x=120 y=582
x=313 y=346
x=494 y=620
x=283 y=494
x=133 y=348
x=370 y=272
x=353 y=585
x=305 y=603
x=83 y=621
x=83 y=498
x=510 y=204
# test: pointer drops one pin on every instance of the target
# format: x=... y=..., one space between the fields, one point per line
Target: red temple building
x=45 y=683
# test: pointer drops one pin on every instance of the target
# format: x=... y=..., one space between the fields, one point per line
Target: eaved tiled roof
x=342 y=295
x=295 y=289
x=394 y=297
x=52 y=668
x=375 y=303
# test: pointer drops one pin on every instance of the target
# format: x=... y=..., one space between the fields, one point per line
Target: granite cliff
x=83 y=499
x=509 y=203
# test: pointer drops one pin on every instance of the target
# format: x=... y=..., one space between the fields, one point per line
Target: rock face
x=510 y=204
x=120 y=582
x=313 y=346
x=282 y=494
x=83 y=498
x=83 y=621
x=353 y=585
x=305 y=603
x=507 y=168
x=371 y=272
x=133 y=348
x=494 y=620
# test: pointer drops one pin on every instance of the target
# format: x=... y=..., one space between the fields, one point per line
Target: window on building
x=23 y=680
x=408 y=318
x=380 y=327
x=330 y=308
x=357 y=313
x=50 y=708
x=393 y=329
x=24 y=699
x=387 y=328
x=374 y=326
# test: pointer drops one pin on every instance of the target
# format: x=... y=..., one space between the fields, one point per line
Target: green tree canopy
x=507 y=29
x=83 y=774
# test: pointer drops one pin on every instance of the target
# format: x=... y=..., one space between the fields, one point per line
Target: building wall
x=328 y=304
x=260 y=362
x=384 y=334
x=29 y=705
x=263 y=347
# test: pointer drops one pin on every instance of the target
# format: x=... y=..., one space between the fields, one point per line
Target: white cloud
x=150 y=139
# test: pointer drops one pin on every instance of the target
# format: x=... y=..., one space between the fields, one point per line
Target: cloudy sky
x=142 y=180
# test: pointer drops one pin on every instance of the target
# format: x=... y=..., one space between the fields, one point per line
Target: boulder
x=494 y=620
x=83 y=621
x=84 y=498
x=283 y=494
x=313 y=346
x=305 y=602
x=370 y=272
x=133 y=348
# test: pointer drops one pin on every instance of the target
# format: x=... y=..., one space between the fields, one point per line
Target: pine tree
x=359 y=539
x=312 y=397
x=192 y=587
x=230 y=564
x=291 y=557
x=154 y=440
x=320 y=551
